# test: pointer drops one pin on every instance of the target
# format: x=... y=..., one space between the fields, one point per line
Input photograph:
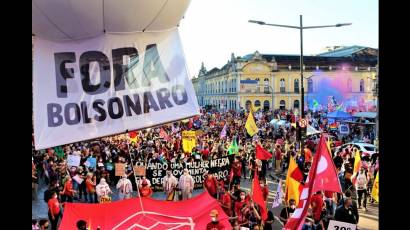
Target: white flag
x=277 y=200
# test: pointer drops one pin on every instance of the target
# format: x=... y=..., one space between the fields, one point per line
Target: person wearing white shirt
x=169 y=184
x=124 y=187
x=186 y=185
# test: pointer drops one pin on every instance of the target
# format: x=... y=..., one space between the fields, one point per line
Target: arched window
x=361 y=85
x=266 y=105
x=296 y=104
x=310 y=86
x=248 y=104
x=349 y=85
x=282 y=85
x=282 y=104
x=257 y=103
x=296 y=85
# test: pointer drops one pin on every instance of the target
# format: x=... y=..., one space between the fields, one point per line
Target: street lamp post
x=300 y=28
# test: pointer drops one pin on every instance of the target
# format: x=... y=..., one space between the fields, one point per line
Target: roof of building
x=343 y=51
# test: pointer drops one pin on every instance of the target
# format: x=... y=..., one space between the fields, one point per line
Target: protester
x=211 y=185
x=345 y=213
x=91 y=183
x=170 y=185
x=68 y=191
x=287 y=211
x=145 y=187
x=186 y=185
x=361 y=187
x=214 y=224
x=44 y=224
x=103 y=191
x=81 y=225
x=54 y=211
x=124 y=187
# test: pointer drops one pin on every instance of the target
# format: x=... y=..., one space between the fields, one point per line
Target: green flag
x=59 y=152
x=233 y=148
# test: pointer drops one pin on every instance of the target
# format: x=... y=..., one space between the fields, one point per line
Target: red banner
x=155 y=214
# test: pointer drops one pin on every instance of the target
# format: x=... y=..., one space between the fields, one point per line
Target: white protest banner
x=338 y=225
x=108 y=84
x=277 y=200
x=73 y=160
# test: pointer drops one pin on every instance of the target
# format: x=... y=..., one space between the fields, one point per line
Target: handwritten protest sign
x=73 y=160
x=119 y=169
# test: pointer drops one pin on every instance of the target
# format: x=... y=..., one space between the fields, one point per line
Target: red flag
x=322 y=172
x=257 y=196
x=326 y=175
x=231 y=175
x=262 y=154
x=163 y=134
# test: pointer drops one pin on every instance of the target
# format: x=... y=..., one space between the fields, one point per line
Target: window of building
x=266 y=85
x=282 y=85
x=310 y=86
x=296 y=85
x=349 y=85
x=266 y=105
x=296 y=104
x=361 y=85
x=248 y=104
x=257 y=103
x=282 y=104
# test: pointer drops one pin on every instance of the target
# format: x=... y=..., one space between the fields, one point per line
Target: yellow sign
x=188 y=140
x=250 y=125
x=105 y=199
x=375 y=189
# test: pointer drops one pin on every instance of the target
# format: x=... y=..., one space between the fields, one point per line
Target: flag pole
x=135 y=175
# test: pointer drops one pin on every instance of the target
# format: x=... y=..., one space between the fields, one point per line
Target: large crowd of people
x=96 y=185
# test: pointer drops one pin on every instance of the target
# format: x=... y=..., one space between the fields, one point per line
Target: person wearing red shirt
x=145 y=188
x=330 y=200
x=54 y=212
x=317 y=206
x=68 y=191
x=205 y=152
x=239 y=204
x=211 y=185
x=225 y=201
x=265 y=190
x=237 y=169
x=215 y=224
x=308 y=155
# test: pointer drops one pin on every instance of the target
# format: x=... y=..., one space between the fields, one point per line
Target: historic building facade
x=274 y=80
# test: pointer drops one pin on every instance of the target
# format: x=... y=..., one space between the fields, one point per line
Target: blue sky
x=213 y=29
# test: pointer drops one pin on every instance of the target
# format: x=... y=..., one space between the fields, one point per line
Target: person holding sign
x=125 y=188
x=170 y=184
x=186 y=185
x=103 y=191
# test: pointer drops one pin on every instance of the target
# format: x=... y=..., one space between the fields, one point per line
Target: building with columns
x=270 y=80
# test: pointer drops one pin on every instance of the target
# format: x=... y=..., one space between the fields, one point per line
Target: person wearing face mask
x=145 y=187
x=345 y=212
x=287 y=211
x=211 y=185
x=186 y=185
x=170 y=184
x=239 y=204
x=54 y=211
x=215 y=224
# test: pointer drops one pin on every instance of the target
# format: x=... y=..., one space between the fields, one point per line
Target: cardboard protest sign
x=119 y=169
x=73 y=160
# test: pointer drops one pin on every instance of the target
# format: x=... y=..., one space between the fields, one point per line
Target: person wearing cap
x=215 y=224
x=124 y=187
x=186 y=185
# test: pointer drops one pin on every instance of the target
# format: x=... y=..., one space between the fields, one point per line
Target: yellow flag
x=250 y=125
x=375 y=189
x=292 y=190
x=188 y=140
